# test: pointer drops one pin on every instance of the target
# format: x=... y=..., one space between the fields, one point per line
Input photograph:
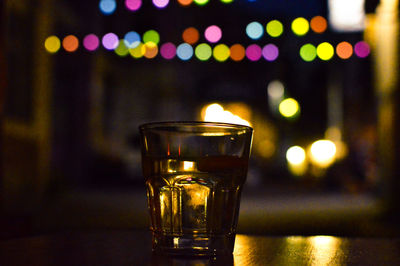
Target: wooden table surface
x=134 y=248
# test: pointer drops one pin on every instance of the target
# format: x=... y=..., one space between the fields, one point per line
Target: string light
x=254 y=30
x=107 y=7
x=184 y=51
x=190 y=35
x=308 y=52
x=325 y=51
x=110 y=41
x=300 y=26
x=133 y=5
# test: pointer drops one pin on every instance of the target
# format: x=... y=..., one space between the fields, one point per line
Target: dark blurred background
x=321 y=92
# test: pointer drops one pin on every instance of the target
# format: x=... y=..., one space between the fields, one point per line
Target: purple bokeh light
x=110 y=41
x=91 y=42
x=270 y=52
x=168 y=50
x=362 y=49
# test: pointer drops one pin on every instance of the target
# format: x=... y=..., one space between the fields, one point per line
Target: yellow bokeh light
x=216 y=113
x=289 y=108
x=325 y=51
x=221 y=52
x=300 y=26
x=52 y=44
x=296 y=155
x=323 y=152
x=138 y=51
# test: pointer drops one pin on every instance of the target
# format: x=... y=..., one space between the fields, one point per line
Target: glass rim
x=176 y=124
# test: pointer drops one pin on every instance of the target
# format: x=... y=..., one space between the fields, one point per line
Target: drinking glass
x=194 y=174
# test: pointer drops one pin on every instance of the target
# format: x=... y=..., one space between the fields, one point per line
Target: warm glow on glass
x=151 y=50
x=213 y=34
x=253 y=52
x=324 y=250
x=203 y=51
x=318 y=24
x=344 y=50
x=185 y=2
x=308 y=52
x=201 y=2
x=138 y=51
x=216 y=113
x=325 y=51
x=322 y=153
x=190 y=35
x=221 y=52
x=361 y=49
x=289 y=108
x=237 y=52
x=254 y=30
x=300 y=26
x=274 y=28
x=270 y=52
x=91 y=42
x=168 y=50
x=133 y=5
x=107 y=7
x=52 y=44
x=122 y=49
x=151 y=36
x=70 y=43
x=160 y=3
x=110 y=41
x=184 y=51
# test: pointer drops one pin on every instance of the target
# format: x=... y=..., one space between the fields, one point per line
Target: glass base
x=193 y=245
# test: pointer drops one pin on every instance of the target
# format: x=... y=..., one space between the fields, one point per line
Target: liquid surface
x=194 y=197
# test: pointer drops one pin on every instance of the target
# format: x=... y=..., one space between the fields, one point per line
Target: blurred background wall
x=317 y=80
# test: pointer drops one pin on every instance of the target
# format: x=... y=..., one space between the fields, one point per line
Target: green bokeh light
x=122 y=49
x=274 y=28
x=308 y=52
x=151 y=36
x=203 y=51
x=201 y=2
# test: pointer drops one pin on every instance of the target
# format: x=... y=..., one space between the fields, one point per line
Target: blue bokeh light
x=254 y=30
x=107 y=7
x=184 y=51
x=132 y=39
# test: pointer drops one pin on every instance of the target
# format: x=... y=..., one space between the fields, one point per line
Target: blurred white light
x=347 y=15
x=276 y=89
x=322 y=152
x=216 y=113
x=295 y=155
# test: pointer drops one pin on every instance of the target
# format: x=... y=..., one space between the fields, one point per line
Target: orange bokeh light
x=70 y=43
x=190 y=35
x=318 y=24
x=344 y=50
x=237 y=52
x=151 y=50
x=185 y=2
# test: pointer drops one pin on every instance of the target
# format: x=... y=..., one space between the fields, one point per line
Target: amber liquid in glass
x=194 y=203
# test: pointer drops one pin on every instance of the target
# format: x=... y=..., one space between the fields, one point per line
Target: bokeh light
x=270 y=52
x=253 y=52
x=325 y=51
x=138 y=51
x=237 y=52
x=226 y=1
x=362 y=49
x=274 y=28
x=221 y=52
x=70 y=43
x=289 y=108
x=216 y=113
x=133 y=5
x=185 y=2
x=160 y=3
x=110 y=41
x=52 y=44
x=322 y=153
x=132 y=39
x=190 y=35
x=318 y=24
x=151 y=50
x=308 y=52
x=168 y=50
x=107 y=7
x=300 y=26
x=213 y=33
x=151 y=36
x=91 y=42
x=296 y=158
x=254 y=30
x=276 y=89
x=184 y=51
x=344 y=50
x=122 y=49
x=201 y=2
x=203 y=51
